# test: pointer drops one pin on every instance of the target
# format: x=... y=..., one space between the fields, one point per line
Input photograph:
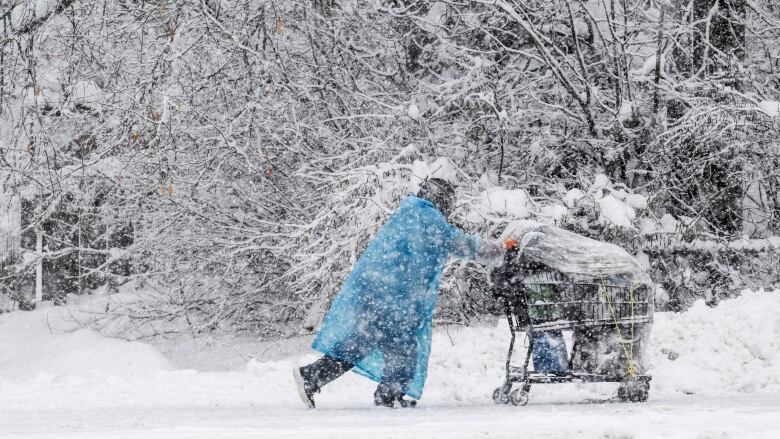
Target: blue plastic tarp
x=381 y=318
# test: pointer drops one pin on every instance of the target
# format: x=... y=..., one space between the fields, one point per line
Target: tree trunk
x=718 y=49
x=10 y=225
x=719 y=35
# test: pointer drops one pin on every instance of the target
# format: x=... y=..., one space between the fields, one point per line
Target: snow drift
x=49 y=342
x=734 y=347
x=729 y=349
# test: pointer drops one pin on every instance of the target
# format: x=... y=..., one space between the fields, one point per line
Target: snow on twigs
x=770 y=108
x=26 y=11
x=496 y=200
x=614 y=212
x=86 y=93
x=441 y=167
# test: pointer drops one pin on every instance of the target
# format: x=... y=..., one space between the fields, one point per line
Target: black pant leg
x=325 y=370
x=400 y=354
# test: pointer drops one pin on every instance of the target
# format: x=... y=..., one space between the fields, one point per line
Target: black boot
x=306 y=386
x=310 y=379
x=386 y=396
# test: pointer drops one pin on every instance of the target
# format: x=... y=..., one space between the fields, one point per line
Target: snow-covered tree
x=233 y=157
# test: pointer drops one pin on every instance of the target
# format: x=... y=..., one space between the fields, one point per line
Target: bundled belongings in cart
x=555 y=280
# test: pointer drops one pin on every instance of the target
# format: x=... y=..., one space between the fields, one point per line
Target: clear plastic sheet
x=571 y=253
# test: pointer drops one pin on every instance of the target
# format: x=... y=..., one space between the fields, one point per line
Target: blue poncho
x=381 y=318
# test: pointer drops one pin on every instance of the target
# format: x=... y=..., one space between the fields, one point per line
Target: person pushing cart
x=379 y=324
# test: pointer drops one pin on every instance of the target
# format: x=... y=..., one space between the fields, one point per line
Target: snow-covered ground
x=716 y=375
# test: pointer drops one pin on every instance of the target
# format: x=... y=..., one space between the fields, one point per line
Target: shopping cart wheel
x=501 y=395
x=518 y=397
x=634 y=391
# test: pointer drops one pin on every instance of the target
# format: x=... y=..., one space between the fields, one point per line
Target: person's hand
x=510 y=244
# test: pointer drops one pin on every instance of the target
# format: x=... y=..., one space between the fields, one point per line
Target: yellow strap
x=630 y=368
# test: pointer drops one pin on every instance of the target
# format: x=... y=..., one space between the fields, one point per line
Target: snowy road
x=688 y=416
x=716 y=375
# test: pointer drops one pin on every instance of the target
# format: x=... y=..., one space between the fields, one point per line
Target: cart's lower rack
x=634 y=389
x=570 y=377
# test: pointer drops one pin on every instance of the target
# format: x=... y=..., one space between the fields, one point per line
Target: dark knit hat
x=439 y=192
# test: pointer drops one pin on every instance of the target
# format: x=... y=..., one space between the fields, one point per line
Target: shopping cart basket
x=610 y=316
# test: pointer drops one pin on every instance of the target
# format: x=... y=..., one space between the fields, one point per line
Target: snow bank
x=730 y=349
x=49 y=342
x=715 y=352
x=734 y=347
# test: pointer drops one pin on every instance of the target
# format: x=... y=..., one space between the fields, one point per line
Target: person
x=379 y=325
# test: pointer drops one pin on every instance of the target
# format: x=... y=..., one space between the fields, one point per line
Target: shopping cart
x=609 y=314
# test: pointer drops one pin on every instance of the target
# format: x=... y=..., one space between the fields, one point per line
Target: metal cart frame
x=611 y=303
